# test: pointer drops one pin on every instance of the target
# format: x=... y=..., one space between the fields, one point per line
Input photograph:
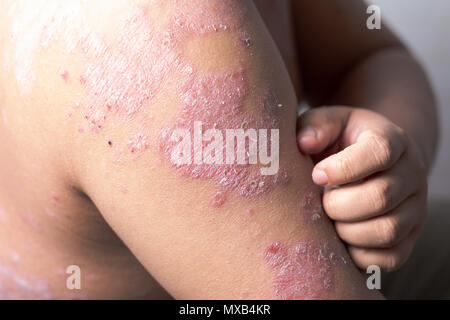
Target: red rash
x=122 y=80
x=303 y=271
x=218 y=102
x=125 y=79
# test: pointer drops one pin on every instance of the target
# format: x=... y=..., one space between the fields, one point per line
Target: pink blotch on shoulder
x=218 y=102
x=124 y=79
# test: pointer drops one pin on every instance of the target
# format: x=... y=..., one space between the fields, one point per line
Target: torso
x=47 y=225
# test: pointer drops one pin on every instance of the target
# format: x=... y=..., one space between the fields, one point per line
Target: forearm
x=393 y=83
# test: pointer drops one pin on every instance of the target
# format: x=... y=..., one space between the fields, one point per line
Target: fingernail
x=320 y=177
x=308 y=132
x=307 y=136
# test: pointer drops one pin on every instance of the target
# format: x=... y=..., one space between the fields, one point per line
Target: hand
x=375 y=182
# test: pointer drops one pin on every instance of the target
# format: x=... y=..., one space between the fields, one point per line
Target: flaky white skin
x=123 y=220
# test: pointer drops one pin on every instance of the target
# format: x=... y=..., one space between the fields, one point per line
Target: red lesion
x=218 y=101
x=126 y=78
x=123 y=79
x=218 y=199
x=305 y=270
x=64 y=75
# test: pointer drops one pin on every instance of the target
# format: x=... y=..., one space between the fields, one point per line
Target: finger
x=387 y=259
x=386 y=231
x=319 y=128
x=371 y=153
x=372 y=197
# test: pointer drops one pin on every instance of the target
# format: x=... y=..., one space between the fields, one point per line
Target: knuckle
x=344 y=167
x=387 y=230
x=380 y=197
x=382 y=149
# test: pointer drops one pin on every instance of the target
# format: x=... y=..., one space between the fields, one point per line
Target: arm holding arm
x=382 y=144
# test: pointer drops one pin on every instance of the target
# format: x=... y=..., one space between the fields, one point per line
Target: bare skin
x=118 y=220
x=378 y=139
x=363 y=142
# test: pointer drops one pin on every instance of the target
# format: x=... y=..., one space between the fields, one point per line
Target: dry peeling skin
x=305 y=270
x=311 y=208
x=123 y=79
x=201 y=97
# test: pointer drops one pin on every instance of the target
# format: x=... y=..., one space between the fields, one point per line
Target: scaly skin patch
x=311 y=208
x=123 y=78
x=304 y=271
x=218 y=102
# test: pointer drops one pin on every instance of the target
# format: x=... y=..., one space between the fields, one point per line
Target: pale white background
x=425 y=26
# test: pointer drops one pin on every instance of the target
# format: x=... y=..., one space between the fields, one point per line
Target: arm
x=380 y=149
x=347 y=64
x=203 y=231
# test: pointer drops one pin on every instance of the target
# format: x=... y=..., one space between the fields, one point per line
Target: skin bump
x=218 y=199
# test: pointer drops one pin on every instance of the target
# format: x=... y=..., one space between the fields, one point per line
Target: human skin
x=111 y=201
x=378 y=148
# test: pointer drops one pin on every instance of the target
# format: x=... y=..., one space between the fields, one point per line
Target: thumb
x=319 y=128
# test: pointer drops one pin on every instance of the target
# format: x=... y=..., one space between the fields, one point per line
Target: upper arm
x=332 y=38
x=153 y=69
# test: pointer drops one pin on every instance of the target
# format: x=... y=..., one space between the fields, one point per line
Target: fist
x=374 y=179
